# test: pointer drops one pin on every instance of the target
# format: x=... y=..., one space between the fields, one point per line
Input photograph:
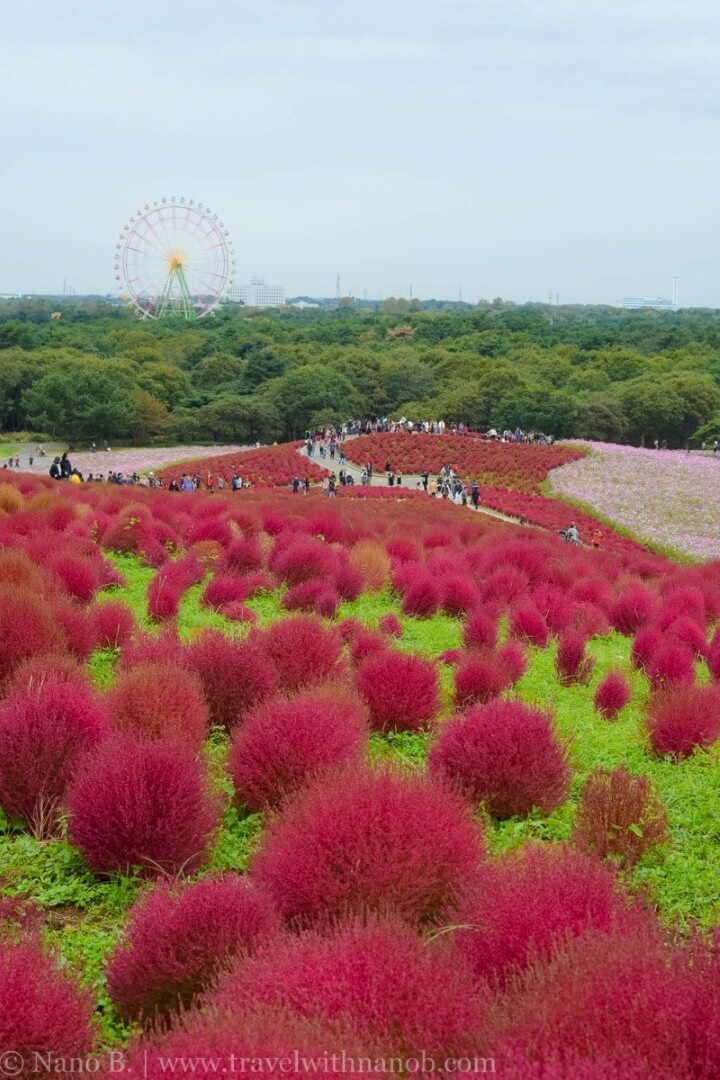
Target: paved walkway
x=410 y=483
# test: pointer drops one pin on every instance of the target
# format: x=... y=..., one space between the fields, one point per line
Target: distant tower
x=337 y=286
x=411 y=290
x=675 y=294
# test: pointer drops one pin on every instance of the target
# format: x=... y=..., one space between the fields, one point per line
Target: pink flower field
x=142 y=460
x=664 y=497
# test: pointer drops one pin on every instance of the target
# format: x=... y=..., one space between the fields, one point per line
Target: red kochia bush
x=285 y=741
x=164 y=647
x=619 y=816
x=528 y=900
x=390 y=624
x=480 y=630
x=690 y=634
x=633 y=609
x=141 y=804
x=302 y=559
x=681 y=718
x=27 y=628
x=612 y=694
x=614 y=994
x=177 y=938
x=314 y=595
x=422 y=595
x=366 y=643
x=224 y=589
x=302 y=650
x=504 y=754
x=459 y=594
x=401 y=690
x=160 y=701
x=527 y=623
x=514 y=658
x=43 y=1010
x=671 y=663
x=362 y=840
x=235 y=675
x=44 y=728
x=480 y=676
x=571 y=662
x=375 y=974
x=80 y=577
x=644 y=645
x=114 y=624
x=78 y=626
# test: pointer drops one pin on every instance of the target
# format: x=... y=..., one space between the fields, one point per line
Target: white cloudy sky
x=507 y=147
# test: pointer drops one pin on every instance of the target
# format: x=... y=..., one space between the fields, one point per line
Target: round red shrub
x=224 y=589
x=619 y=816
x=44 y=1011
x=349 y=582
x=616 y=994
x=44 y=729
x=241 y=556
x=178 y=938
x=422 y=595
x=480 y=630
x=314 y=595
x=302 y=559
x=366 y=643
x=514 y=658
x=286 y=741
x=671 y=663
x=235 y=675
x=459 y=594
x=612 y=694
x=480 y=676
x=375 y=974
x=362 y=840
x=527 y=623
x=689 y=633
x=27 y=628
x=401 y=690
x=504 y=754
x=53 y=667
x=142 y=804
x=238 y=612
x=556 y=608
x=644 y=645
x=114 y=624
x=713 y=656
x=571 y=661
x=634 y=608
x=163 y=647
x=681 y=718
x=391 y=625
x=79 y=577
x=505 y=585
x=302 y=650
x=529 y=900
x=160 y=701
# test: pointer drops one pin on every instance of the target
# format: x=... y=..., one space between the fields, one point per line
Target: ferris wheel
x=174 y=256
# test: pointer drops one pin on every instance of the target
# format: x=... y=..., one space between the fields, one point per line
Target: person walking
x=475 y=494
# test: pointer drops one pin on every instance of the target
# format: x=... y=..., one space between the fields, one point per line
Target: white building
x=657 y=303
x=258 y=294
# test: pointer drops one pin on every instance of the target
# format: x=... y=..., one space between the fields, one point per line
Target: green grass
x=86 y=913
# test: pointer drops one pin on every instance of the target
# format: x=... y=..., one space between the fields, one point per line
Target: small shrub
x=234 y=674
x=514 y=658
x=79 y=577
x=374 y=974
x=302 y=650
x=571 y=662
x=286 y=741
x=504 y=754
x=223 y=589
x=619 y=816
x=644 y=645
x=348 y=582
x=301 y=560
x=160 y=701
x=689 y=633
x=527 y=623
x=44 y=729
x=141 y=804
x=612 y=694
x=528 y=901
x=178 y=938
x=400 y=689
x=27 y=628
x=634 y=608
x=362 y=840
x=391 y=625
x=480 y=630
x=373 y=562
x=314 y=595
x=43 y=1010
x=422 y=596
x=556 y=608
x=366 y=643
x=681 y=718
x=77 y=624
x=164 y=647
x=241 y=556
x=480 y=676
x=671 y=663
x=114 y=624
x=459 y=594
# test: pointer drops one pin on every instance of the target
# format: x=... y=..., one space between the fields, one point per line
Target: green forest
x=241 y=375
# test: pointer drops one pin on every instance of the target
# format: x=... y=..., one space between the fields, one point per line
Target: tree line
x=244 y=375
